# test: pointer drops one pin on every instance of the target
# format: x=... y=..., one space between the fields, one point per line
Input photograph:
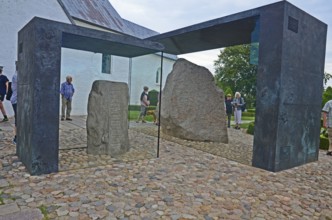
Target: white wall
x=14 y=15
x=144 y=70
x=85 y=68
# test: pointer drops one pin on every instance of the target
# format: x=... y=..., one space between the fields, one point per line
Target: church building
x=85 y=67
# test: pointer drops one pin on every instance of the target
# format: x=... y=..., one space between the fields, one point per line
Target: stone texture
x=107 y=122
x=29 y=214
x=192 y=106
x=184 y=183
x=8 y=209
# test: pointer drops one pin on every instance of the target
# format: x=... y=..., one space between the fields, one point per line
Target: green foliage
x=228 y=90
x=327 y=95
x=2 y=196
x=248 y=114
x=244 y=125
x=252 y=110
x=43 y=210
x=324 y=143
x=134 y=108
x=153 y=95
x=323 y=132
x=133 y=115
x=251 y=128
x=327 y=77
x=138 y=107
x=235 y=73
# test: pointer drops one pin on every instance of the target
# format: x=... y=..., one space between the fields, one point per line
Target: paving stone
x=30 y=214
x=8 y=209
x=190 y=180
x=3 y=183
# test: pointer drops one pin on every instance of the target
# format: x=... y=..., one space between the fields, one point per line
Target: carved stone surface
x=107 y=121
x=192 y=106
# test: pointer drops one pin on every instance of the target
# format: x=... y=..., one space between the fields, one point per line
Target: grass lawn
x=133 y=115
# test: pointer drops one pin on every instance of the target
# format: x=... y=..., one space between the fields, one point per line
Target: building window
x=158 y=75
x=106 y=64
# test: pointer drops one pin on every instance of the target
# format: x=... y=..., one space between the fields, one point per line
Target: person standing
x=13 y=100
x=3 y=91
x=67 y=92
x=145 y=102
x=229 y=109
x=327 y=123
x=237 y=104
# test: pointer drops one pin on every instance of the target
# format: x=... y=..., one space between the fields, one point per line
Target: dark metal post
x=161 y=86
x=129 y=86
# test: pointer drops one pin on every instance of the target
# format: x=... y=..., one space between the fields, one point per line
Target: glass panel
x=85 y=68
x=254 y=48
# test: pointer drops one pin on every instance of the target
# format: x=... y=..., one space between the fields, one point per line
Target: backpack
x=147 y=96
x=10 y=91
x=243 y=107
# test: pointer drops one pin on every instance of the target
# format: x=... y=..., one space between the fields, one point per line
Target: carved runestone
x=107 y=122
x=192 y=106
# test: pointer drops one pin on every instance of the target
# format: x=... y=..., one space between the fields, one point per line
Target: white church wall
x=86 y=67
x=14 y=15
x=144 y=73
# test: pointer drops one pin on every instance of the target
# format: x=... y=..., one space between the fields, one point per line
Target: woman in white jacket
x=237 y=103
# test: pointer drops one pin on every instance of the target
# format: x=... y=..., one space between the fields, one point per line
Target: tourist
x=67 y=92
x=13 y=99
x=145 y=102
x=3 y=90
x=327 y=123
x=237 y=104
x=229 y=109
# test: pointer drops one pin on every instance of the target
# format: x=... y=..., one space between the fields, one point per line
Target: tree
x=235 y=73
x=327 y=95
x=327 y=77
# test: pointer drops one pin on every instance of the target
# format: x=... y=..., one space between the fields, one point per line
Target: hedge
x=324 y=143
x=248 y=114
x=138 y=107
x=251 y=128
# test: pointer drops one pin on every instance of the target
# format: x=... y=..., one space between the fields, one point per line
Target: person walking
x=327 y=123
x=237 y=104
x=67 y=92
x=3 y=91
x=13 y=100
x=229 y=109
x=145 y=102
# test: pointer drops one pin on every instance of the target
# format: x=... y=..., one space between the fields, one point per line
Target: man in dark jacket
x=229 y=109
x=3 y=90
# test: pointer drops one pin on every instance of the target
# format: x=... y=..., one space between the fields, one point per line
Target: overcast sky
x=167 y=15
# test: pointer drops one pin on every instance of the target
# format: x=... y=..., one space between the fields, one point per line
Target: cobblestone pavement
x=184 y=183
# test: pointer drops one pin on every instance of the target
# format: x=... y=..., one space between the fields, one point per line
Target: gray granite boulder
x=192 y=106
x=107 y=122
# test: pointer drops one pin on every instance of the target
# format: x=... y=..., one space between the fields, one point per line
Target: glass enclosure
x=87 y=67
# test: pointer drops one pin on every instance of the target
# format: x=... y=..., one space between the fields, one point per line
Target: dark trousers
x=229 y=116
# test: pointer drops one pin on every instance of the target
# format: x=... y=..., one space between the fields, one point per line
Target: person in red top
x=3 y=91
